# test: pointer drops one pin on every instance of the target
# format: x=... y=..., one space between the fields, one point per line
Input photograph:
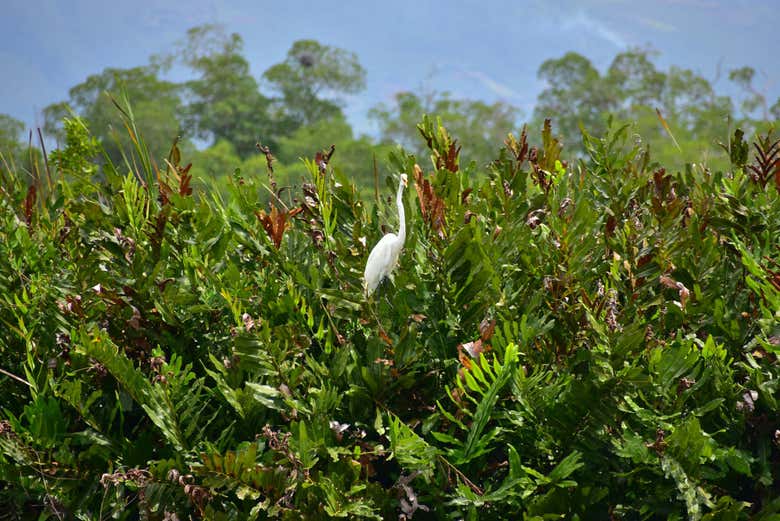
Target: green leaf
x=489 y=397
x=566 y=468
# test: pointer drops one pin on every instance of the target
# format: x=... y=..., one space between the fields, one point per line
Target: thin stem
x=11 y=375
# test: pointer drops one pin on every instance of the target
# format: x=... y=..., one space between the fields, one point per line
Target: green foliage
x=156 y=106
x=295 y=108
x=586 y=339
x=225 y=102
x=311 y=78
x=479 y=126
x=10 y=138
x=631 y=90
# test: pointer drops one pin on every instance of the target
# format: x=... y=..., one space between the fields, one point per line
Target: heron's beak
x=405 y=180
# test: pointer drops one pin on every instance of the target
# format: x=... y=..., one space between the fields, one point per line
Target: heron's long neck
x=401 y=217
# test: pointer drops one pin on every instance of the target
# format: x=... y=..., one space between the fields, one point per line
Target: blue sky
x=487 y=49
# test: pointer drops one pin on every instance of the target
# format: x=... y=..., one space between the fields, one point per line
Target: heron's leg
x=387 y=282
x=371 y=303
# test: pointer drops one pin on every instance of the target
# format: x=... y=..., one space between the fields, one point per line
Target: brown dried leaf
x=135 y=320
x=29 y=204
x=184 y=177
x=519 y=148
x=774 y=278
x=486 y=329
x=683 y=292
x=269 y=158
x=451 y=161
x=248 y=321
x=431 y=206
x=610 y=225
x=386 y=339
x=275 y=222
x=766 y=162
x=322 y=158
x=668 y=282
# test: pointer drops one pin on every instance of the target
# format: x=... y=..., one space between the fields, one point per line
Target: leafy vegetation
x=585 y=323
x=595 y=338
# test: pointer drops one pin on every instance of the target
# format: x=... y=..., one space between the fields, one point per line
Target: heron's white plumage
x=384 y=256
x=381 y=261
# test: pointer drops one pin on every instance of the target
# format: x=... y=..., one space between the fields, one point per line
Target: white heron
x=384 y=256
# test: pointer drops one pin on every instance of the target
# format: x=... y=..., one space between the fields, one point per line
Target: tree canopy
x=11 y=130
x=156 y=104
x=476 y=124
x=224 y=100
x=632 y=89
x=299 y=101
x=311 y=80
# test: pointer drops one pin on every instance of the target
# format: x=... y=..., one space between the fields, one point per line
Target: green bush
x=592 y=340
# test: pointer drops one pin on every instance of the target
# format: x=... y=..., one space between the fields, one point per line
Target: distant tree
x=311 y=80
x=575 y=94
x=634 y=81
x=307 y=140
x=754 y=99
x=353 y=156
x=224 y=100
x=156 y=105
x=477 y=125
x=11 y=145
x=631 y=90
x=218 y=160
x=774 y=110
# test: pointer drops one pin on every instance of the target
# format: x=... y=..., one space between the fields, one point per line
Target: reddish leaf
x=668 y=282
x=184 y=178
x=29 y=203
x=609 y=227
x=486 y=328
x=431 y=205
x=269 y=158
x=451 y=161
x=275 y=222
x=464 y=358
x=519 y=148
x=766 y=163
x=471 y=350
x=386 y=339
x=323 y=158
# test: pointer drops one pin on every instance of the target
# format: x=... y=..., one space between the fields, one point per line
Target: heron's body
x=384 y=257
x=382 y=261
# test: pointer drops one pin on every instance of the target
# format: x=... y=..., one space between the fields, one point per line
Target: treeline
x=223 y=111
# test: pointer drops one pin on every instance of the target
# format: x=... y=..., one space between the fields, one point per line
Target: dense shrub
x=595 y=339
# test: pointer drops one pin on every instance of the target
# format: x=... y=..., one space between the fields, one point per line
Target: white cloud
x=581 y=20
x=658 y=25
x=493 y=85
